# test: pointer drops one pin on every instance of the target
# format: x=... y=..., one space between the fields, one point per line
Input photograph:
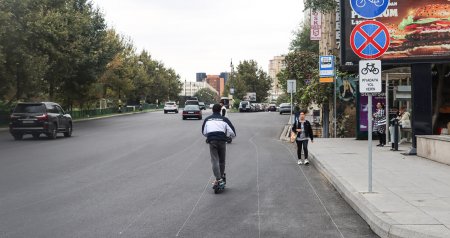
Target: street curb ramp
x=381 y=224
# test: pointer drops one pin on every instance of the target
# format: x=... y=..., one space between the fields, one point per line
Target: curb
x=381 y=224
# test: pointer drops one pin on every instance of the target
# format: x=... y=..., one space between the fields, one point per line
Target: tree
x=302 y=41
x=207 y=95
x=249 y=78
x=321 y=5
x=303 y=66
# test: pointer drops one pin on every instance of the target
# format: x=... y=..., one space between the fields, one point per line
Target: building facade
x=191 y=88
x=200 y=77
x=275 y=66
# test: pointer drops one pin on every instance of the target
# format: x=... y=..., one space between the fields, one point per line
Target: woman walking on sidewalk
x=304 y=132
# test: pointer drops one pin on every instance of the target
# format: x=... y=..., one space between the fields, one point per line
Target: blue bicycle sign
x=362 y=3
x=369 y=8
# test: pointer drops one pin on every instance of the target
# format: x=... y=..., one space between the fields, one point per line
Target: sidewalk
x=411 y=195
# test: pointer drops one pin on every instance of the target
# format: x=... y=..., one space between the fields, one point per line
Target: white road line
x=195 y=206
x=314 y=190
x=257 y=184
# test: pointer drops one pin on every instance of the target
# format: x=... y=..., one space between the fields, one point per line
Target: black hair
x=216 y=108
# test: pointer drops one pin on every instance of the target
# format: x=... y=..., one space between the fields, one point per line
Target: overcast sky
x=193 y=36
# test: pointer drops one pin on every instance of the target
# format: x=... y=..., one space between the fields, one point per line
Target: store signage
x=415 y=28
x=316 y=26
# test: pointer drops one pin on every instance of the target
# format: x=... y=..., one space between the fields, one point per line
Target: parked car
x=39 y=118
x=202 y=105
x=170 y=107
x=192 y=111
x=272 y=108
x=285 y=108
x=244 y=106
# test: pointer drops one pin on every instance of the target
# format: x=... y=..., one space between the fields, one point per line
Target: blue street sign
x=326 y=66
x=369 y=8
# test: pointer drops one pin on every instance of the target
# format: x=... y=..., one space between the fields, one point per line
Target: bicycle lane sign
x=369 y=9
x=370 y=76
x=370 y=39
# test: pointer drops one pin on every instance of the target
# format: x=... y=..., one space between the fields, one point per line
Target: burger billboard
x=419 y=31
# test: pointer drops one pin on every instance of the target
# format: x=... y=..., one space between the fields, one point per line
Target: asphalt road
x=149 y=175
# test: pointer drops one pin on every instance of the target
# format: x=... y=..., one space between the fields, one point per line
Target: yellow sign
x=326 y=80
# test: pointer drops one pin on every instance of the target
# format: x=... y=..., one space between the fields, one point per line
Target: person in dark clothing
x=217 y=129
x=304 y=132
x=296 y=113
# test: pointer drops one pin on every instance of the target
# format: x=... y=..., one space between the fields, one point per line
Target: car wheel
x=184 y=118
x=53 y=133
x=18 y=136
x=200 y=118
x=281 y=113
x=68 y=132
x=36 y=135
x=165 y=112
x=176 y=111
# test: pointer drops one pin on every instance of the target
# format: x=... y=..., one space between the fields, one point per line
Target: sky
x=193 y=36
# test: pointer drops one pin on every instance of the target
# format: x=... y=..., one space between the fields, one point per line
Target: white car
x=170 y=107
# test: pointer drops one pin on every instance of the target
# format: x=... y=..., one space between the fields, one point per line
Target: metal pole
x=369 y=134
x=292 y=90
x=387 y=107
x=335 y=119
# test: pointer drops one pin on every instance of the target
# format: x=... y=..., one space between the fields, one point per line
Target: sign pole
x=292 y=90
x=369 y=134
x=335 y=107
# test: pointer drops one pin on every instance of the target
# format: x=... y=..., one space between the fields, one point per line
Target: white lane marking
x=168 y=188
x=195 y=206
x=257 y=184
x=314 y=190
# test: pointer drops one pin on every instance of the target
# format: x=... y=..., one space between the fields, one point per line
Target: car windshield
x=170 y=103
x=191 y=102
x=285 y=105
x=201 y=103
x=191 y=107
x=30 y=108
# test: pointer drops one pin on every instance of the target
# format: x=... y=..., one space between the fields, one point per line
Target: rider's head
x=216 y=108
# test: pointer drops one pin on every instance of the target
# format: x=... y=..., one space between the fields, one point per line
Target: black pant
x=382 y=138
x=218 y=151
x=301 y=143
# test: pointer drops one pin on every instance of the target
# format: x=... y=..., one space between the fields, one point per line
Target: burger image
x=427 y=30
x=397 y=47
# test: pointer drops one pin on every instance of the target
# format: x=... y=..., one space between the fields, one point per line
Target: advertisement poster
x=250 y=97
x=346 y=89
x=419 y=30
x=363 y=103
x=316 y=26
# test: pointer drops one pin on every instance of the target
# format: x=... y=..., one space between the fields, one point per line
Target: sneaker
x=299 y=162
x=224 y=178
x=221 y=182
x=306 y=161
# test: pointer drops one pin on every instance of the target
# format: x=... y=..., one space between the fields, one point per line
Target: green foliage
x=207 y=95
x=303 y=66
x=249 y=78
x=321 y=5
x=62 y=51
x=302 y=41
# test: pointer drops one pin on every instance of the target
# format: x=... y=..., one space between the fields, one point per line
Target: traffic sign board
x=326 y=66
x=370 y=76
x=369 y=8
x=370 y=39
x=291 y=85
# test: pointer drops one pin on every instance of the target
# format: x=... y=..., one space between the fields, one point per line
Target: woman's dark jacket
x=307 y=127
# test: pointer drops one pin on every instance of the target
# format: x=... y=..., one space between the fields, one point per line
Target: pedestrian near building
x=304 y=132
x=380 y=123
x=217 y=129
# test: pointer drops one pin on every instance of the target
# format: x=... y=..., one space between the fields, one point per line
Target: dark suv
x=37 y=118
